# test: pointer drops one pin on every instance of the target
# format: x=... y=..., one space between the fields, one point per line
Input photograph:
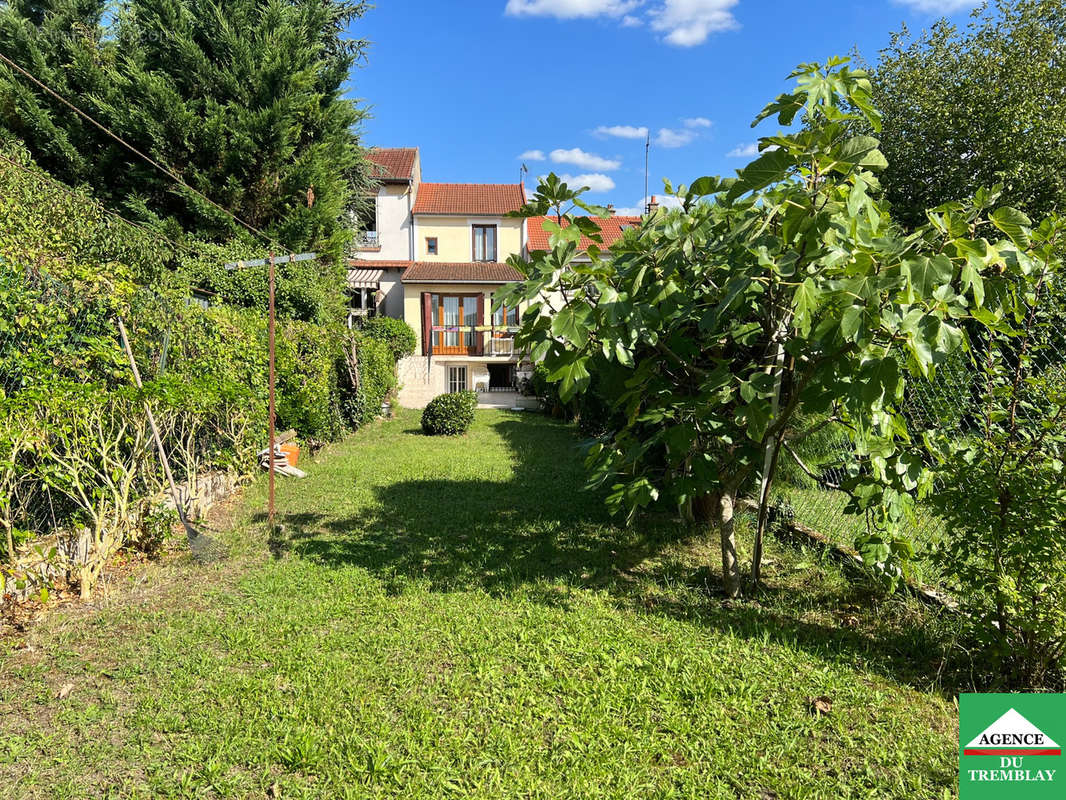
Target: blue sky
x=484 y=85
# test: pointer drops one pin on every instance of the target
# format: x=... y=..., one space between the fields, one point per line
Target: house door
x=501 y=377
x=455 y=311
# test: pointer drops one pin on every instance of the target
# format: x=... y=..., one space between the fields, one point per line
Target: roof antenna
x=647 y=148
x=522 y=172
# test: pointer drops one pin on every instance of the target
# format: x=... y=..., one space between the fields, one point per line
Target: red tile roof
x=469 y=272
x=610 y=231
x=393 y=163
x=489 y=199
x=369 y=263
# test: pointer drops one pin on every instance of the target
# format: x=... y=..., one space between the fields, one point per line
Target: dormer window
x=484 y=242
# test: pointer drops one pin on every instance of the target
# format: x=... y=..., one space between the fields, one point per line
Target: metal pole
x=647 y=149
x=270 y=412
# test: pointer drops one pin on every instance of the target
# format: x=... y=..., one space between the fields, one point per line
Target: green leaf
x=851 y=322
x=573 y=377
x=705 y=186
x=571 y=323
x=926 y=274
x=804 y=304
x=1014 y=224
x=771 y=167
x=755 y=417
x=860 y=151
x=972 y=280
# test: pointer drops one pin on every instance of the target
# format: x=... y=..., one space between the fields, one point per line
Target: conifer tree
x=244 y=100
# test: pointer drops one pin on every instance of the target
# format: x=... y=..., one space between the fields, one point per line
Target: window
x=362 y=302
x=457 y=312
x=366 y=221
x=504 y=317
x=456 y=379
x=484 y=242
x=431 y=245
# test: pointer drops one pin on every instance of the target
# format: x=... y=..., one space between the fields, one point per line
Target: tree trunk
x=730 y=562
x=717 y=509
x=773 y=447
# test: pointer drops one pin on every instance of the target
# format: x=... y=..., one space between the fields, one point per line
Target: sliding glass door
x=454 y=311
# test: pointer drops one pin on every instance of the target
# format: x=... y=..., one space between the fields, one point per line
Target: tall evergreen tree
x=244 y=100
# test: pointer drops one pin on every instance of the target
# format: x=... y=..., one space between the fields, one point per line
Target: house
x=386 y=238
x=462 y=241
x=434 y=254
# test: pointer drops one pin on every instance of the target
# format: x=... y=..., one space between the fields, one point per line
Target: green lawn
x=457 y=618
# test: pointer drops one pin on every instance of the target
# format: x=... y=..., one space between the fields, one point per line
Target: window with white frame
x=456 y=379
x=484 y=242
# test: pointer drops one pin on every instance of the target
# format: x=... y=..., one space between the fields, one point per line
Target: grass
x=457 y=618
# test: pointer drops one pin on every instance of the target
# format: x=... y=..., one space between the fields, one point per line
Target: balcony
x=368 y=240
x=479 y=341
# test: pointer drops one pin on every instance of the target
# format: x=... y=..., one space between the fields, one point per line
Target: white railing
x=368 y=239
x=500 y=346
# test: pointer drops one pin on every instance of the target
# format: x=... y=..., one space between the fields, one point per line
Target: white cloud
x=749 y=150
x=939 y=7
x=683 y=23
x=668 y=137
x=579 y=158
x=622 y=131
x=664 y=201
x=532 y=155
x=571 y=9
x=687 y=23
x=697 y=122
x=596 y=181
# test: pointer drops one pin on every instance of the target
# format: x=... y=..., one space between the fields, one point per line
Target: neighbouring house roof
x=468 y=272
x=393 y=164
x=485 y=199
x=610 y=231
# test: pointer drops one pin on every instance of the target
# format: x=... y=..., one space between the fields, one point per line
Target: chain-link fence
x=953 y=402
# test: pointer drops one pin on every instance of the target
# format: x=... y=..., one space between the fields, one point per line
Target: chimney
x=610 y=210
x=653 y=206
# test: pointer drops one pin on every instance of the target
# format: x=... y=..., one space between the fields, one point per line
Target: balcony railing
x=486 y=340
x=368 y=239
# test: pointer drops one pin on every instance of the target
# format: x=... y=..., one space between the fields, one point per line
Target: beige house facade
x=437 y=258
x=458 y=238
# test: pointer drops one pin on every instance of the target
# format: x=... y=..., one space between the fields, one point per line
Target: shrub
x=397 y=334
x=449 y=414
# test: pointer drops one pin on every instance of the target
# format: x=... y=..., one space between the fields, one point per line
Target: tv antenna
x=647 y=149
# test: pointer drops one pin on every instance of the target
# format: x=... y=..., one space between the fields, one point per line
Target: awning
x=364 y=278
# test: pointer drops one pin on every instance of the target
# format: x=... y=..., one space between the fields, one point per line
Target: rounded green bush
x=397 y=334
x=449 y=414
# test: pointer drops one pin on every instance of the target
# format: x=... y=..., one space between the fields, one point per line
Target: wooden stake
x=155 y=430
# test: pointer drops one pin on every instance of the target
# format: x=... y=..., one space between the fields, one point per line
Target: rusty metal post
x=270 y=412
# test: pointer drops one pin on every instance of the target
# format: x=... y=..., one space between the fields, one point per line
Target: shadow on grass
x=541 y=527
